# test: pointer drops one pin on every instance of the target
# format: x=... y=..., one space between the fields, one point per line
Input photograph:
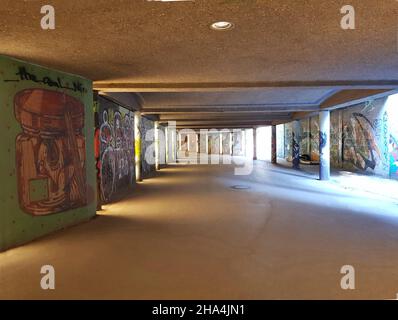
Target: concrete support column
x=203 y=157
x=157 y=146
x=174 y=144
x=230 y=144
x=296 y=144
x=137 y=146
x=178 y=145
x=254 y=143
x=171 y=144
x=166 y=133
x=207 y=142
x=324 y=145
x=220 y=145
x=171 y=131
x=273 y=145
x=243 y=135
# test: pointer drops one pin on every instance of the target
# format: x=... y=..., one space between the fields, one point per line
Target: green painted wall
x=47 y=169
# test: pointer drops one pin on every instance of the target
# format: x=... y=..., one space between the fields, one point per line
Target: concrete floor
x=186 y=234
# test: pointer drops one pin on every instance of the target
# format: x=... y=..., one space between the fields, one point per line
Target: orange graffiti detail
x=50 y=152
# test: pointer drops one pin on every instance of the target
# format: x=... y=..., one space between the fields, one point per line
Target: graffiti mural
x=214 y=142
x=147 y=140
x=335 y=138
x=226 y=143
x=322 y=140
x=393 y=150
x=184 y=142
x=97 y=153
x=295 y=151
x=237 y=143
x=288 y=141
x=162 y=145
x=384 y=138
x=116 y=139
x=363 y=138
x=192 y=140
x=359 y=142
x=47 y=165
x=50 y=151
x=305 y=141
x=314 y=135
x=390 y=126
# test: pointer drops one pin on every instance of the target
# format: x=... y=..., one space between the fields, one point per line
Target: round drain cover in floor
x=240 y=187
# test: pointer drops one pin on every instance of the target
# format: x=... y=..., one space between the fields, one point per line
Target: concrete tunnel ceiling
x=283 y=59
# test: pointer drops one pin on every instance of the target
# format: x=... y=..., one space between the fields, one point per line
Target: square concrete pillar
x=254 y=143
x=137 y=146
x=324 y=145
x=273 y=144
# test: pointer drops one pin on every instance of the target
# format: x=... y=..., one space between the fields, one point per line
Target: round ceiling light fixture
x=222 y=25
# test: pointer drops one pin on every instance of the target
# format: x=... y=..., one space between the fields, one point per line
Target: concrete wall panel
x=148 y=147
x=47 y=166
x=116 y=141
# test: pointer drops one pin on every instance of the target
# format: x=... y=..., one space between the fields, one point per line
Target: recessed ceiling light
x=222 y=25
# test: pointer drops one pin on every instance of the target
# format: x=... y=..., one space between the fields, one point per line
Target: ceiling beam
x=223 y=123
x=220 y=127
x=226 y=109
x=243 y=120
x=347 y=96
x=233 y=116
x=236 y=86
x=346 y=99
x=128 y=100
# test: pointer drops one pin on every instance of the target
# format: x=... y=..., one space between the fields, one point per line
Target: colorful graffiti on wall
x=226 y=143
x=335 y=138
x=309 y=138
x=393 y=150
x=359 y=143
x=47 y=164
x=214 y=142
x=362 y=138
x=314 y=145
x=305 y=137
x=116 y=139
x=237 y=143
x=147 y=125
x=50 y=151
x=288 y=133
x=184 y=142
x=295 y=151
x=162 y=145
